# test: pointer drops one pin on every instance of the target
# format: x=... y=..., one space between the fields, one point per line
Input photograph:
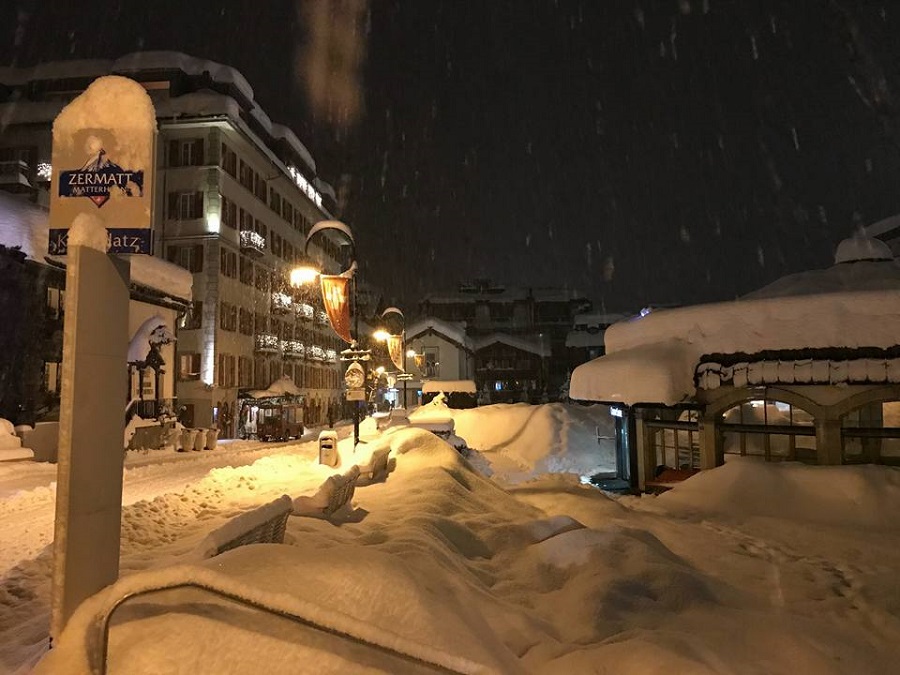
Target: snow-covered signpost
x=101 y=197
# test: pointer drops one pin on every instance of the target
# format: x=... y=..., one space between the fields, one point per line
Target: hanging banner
x=395 y=349
x=336 y=296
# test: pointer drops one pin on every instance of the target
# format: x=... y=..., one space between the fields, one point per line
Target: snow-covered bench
x=263 y=525
x=439 y=427
x=335 y=493
x=396 y=418
x=376 y=468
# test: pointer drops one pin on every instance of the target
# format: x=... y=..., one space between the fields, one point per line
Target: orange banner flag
x=395 y=349
x=336 y=297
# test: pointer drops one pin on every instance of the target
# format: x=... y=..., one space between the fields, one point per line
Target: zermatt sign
x=103 y=157
x=98 y=178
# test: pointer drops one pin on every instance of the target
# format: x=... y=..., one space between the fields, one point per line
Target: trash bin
x=328 y=448
x=200 y=440
x=212 y=437
x=188 y=436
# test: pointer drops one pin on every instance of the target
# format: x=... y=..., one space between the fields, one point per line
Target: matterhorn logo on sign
x=97 y=179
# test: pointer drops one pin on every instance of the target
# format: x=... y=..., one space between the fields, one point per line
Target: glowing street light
x=308 y=273
x=383 y=335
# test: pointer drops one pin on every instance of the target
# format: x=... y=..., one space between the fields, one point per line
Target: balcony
x=267 y=344
x=281 y=303
x=252 y=243
x=305 y=311
x=316 y=353
x=293 y=349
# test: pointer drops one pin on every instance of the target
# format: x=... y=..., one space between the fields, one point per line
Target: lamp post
x=386 y=335
x=307 y=274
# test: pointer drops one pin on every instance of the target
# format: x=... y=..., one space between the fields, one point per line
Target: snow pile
x=114 y=103
x=518 y=441
x=10 y=444
x=848 y=497
x=550 y=577
x=748 y=568
x=283 y=386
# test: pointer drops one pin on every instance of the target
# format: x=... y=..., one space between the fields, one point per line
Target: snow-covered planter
x=188 y=437
x=200 y=440
x=212 y=437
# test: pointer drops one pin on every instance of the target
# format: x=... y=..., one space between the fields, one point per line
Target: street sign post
x=100 y=202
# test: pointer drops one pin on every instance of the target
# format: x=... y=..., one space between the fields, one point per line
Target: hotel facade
x=236 y=195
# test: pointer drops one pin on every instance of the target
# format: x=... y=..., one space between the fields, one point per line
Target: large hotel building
x=236 y=195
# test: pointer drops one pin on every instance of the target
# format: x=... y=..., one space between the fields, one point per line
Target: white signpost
x=101 y=197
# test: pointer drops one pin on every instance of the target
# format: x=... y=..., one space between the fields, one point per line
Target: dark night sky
x=643 y=151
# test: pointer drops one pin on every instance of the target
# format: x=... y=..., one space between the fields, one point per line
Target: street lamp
x=308 y=273
x=384 y=336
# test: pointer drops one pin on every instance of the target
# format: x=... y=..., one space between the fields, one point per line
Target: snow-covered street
x=748 y=568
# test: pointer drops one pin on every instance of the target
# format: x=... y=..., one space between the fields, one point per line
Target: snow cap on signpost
x=103 y=152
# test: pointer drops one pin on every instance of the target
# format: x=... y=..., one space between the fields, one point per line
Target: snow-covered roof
x=27 y=225
x=858 y=248
x=455 y=332
x=655 y=373
x=651 y=359
x=198 y=104
x=281 y=131
x=194 y=103
x=167 y=60
x=154 y=272
x=449 y=386
x=280 y=387
x=530 y=346
x=862 y=264
x=56 y=70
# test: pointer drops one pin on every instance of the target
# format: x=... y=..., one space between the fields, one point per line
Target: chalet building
x=236 y=195
x=442 y=350
x=511 y=369
x=521 y=330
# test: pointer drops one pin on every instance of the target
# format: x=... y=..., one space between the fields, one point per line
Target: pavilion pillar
x=646 y=452
x=711 y=454
x=828 y=440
